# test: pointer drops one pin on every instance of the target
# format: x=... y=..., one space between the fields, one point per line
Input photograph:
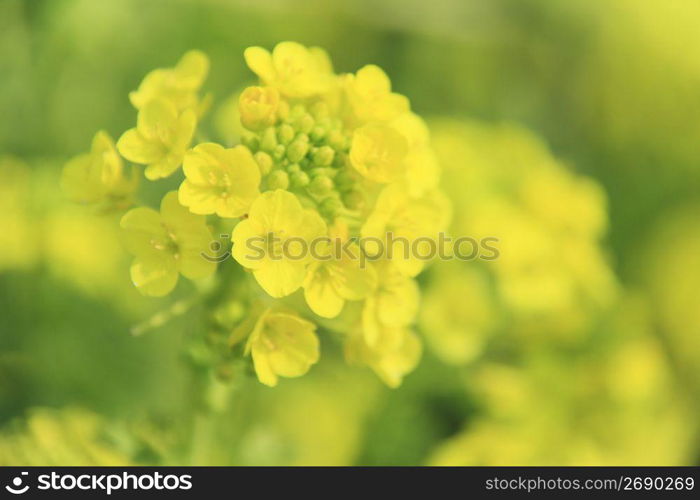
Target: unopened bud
x=278 y=179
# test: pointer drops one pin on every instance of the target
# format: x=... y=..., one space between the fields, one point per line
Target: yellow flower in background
x=165 y=245
x=282 y=345
x=178 y=85
x=377 y=152
x=274 y=241
x=329 y=283
x=218 y=180
x=370 y=97
x=258 y=107
x=295 y=70
x=99 y=177
x=395 y=355
x=69 y=436
x=551 y=274
x=458 y=314
x=160 y=139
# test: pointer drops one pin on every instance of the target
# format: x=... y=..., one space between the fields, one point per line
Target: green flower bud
x=323 y=156
x=293 y=168
x=297 y=150
x=306 y=123
x=278 y=179
x=285 y=133
x=300 y=179
x=318 y=133
x=321 y=185
x=301 y=136
x=330 y=207
x=279 y=152
x=264 y=161
x=269 y=140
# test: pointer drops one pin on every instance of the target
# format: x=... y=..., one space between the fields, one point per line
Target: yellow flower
x=218 y=180
x=274 y=241
x=377 y=152
x=165 y=245
x=370 y=97
x=394 y=357
x=258 y=107
x=160 y=138
x=409 y=226
x=295 y=70
x=393 y=304
x=98 y=177
x=56 y=437
x=282 y=344
x=457 y=313
x=178 y=85
x=337 y=276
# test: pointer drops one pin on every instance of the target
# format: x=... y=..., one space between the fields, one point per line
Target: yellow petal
x=192 y=69
x=320 y=294
x=248 y=247
x=135 y=147
x=280 y=278
x=156 y=121
x=259 y=61
x=377 y=152
x=154 y=277
x=194 y=265
x=392 y=367
x=141 y=227
x=184 y=130
x=263 y=367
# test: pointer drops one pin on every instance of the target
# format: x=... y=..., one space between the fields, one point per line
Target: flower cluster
x=321 y=155
x=551 y=280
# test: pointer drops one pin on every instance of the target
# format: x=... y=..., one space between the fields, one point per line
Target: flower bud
x=278 y=179
x=318 y=133
x=321 y=185
x=300 y=179
x=258 y=107
x=264 y=161
x=278 y=152
x=297 y=150
x=285 y=133
x=293 y=168
x=323 y=156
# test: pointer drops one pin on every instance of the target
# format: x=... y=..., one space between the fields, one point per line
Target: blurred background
x=570 y=130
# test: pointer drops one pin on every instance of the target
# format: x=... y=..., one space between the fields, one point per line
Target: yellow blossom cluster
x=551 y=278
x=323 y=160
